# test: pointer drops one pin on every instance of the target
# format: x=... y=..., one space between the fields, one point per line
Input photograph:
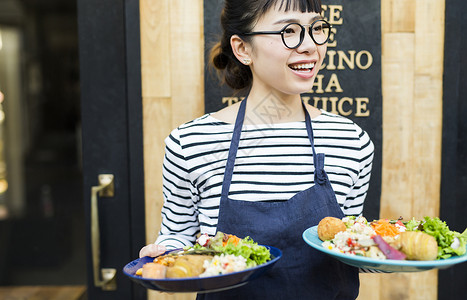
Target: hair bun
x=218 y=57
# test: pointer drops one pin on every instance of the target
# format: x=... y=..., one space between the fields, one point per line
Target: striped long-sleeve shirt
x=274 y=162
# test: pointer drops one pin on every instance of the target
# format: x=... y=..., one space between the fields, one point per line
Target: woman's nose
x=308 y=45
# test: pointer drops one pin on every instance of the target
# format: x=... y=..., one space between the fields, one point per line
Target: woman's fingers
x=152 y=250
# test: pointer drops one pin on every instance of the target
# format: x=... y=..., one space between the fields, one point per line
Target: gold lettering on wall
x=333 y=85
x=330 y=56
x=359 y=59
x=363 y=59
x=340 y=106
x=332 y=42
x=362 y=110
x=332 y=14
x=349 y=60
x=344 y=106
x=336 y=60
x=318 y=84
x=229 y=100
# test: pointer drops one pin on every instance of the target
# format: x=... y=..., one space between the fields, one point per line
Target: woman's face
x=278 y=68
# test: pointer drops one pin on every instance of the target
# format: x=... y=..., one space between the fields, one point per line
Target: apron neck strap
x=233 y=150
x=236 y=140
x=309 y=130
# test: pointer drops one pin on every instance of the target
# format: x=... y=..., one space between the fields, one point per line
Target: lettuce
x=445 y=238
x=254 y=253
x=249 y=249
x=412 y=225
x=462 y=238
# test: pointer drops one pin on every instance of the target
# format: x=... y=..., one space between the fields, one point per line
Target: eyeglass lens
x=293 y=36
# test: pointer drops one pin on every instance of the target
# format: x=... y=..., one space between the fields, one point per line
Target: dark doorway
x=42 y=230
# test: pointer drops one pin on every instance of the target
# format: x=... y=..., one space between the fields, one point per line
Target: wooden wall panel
x=397 y=180
x=157 y=115
x=397 y=15
x=187 y=59
x=429 y=47
x=413 y=52
x=155 y=48
x=398 y=90
x=172 y=64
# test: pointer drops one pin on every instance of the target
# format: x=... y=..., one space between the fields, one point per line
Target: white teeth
x=302 y=66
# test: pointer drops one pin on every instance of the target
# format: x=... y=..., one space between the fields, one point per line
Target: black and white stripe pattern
x=274 y=162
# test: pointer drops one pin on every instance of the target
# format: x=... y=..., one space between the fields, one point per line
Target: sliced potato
x=155 y=271
x=187 y=266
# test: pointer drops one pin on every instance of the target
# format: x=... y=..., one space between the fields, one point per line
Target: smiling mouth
x=302 y=67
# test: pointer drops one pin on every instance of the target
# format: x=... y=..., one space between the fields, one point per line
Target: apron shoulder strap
x=233 y=150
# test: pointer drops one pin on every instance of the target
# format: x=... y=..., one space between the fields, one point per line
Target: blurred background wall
x=41 y=206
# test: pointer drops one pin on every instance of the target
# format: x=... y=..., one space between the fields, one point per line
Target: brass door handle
x=104 y=278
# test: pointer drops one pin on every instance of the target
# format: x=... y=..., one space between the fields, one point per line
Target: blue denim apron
x=302 y=272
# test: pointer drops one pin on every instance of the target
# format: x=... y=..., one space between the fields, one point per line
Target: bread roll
x=418 y=245
x=328 y=227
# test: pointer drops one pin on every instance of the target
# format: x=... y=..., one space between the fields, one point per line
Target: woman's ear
x=240 y=49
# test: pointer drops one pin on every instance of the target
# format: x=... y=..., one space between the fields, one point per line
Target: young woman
x=270 y=166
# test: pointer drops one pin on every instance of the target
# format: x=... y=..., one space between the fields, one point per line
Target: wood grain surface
x=172 y=64
x=413 y=52
x=43 y=292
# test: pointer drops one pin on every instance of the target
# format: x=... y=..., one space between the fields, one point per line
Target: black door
x=451 y=282
x=111 y=110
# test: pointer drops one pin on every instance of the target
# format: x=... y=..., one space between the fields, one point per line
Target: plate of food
x=389 y=245
x=213 y=264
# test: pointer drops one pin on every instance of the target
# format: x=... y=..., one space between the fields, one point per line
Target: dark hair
x=240 y=16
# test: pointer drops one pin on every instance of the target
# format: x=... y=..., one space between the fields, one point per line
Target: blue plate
x=386 y=265
x=196 y=284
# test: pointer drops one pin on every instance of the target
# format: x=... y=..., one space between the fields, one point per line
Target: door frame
x=112 y=134
x=451 y=282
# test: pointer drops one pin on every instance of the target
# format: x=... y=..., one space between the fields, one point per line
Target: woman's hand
x=152 y=250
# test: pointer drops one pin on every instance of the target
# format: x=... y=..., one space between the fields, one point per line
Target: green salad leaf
x=254 y=253
x=440 y=231
x=462 y=238
x=449 y=242
x=412 y=225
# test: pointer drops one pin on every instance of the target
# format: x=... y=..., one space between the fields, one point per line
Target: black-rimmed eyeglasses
x=293 y=34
